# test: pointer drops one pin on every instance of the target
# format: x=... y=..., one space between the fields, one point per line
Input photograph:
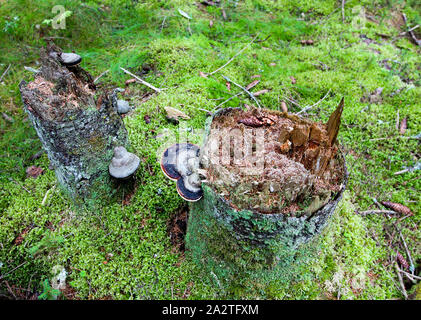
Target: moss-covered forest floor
x=305 y=51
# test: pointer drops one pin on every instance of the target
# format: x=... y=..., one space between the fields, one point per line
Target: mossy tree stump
x=78 y=126
x=245 y=233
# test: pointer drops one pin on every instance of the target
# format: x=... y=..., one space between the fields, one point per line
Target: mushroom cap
x=70 y=59
x=189 y=188
x=175 y=160
x=123 y=164
x=180 y=162
x=123 y=106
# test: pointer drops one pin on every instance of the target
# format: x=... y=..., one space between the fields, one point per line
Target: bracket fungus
x=123 y=164
x=180 y=163
x=67 y=59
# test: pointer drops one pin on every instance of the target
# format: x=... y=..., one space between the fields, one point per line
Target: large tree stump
x=263 y=206
x=78 y=126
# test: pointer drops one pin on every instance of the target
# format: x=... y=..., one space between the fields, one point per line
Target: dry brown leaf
x=258 y=93
x=253 y=84
x=293 y=80
x=403 y=126
x=284 y=106
x=34 y=171
x=130 y=81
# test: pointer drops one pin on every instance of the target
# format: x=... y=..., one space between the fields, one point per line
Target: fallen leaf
x=34 y=171
x=253 y=84
x=284 y=106
x=130 y=81
x=174 y=114
x=403 y=126
x=400 y=208
x=224 y=14
x=307 y=42
x=202 y=74
x=293 y=80
x=184 y=14
x=228 y=85
x=258 y=93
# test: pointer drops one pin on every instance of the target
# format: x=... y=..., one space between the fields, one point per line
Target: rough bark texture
x=243 y=248
x=78 y=130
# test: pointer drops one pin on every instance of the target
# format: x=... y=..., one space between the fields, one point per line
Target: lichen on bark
x=78 y=126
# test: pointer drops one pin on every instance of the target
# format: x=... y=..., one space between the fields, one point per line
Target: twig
x=101 y=75
x=11 y=179
x=309 y=107
x=230 y=98
x=4 y=276
x=230 y=60
x=163 y=22
x=411 y=33
x=4 y=73
x=141 y=81
x=293 y=102
x=343 y=11
x=377 y=212
x=401 y=282
x=409 y=30
x=244 y=89
x=411 y=267
x=410 y=275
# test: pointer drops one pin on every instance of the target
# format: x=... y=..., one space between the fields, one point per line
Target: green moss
x=129 y=35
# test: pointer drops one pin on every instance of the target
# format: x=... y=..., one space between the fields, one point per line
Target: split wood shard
x=334 y=123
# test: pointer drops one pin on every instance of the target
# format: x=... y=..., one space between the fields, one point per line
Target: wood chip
x=403 y=126
x=334 y=123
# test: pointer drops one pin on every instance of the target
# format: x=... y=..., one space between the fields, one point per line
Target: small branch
x=411 y=33
x=401 y=282
x=343 y=11
x=377 y=212
x=230 y=60
x=4 y=73
x=244 y=89
x=141 y=81
x=309 y=107
x=4 y=276
x=101 y=75
x=163 y=22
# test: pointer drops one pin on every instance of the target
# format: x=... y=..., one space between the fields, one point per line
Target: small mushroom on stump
x=180 y=163
x=123 y=164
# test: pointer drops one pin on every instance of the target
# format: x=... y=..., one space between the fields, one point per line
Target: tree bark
x=78 y=127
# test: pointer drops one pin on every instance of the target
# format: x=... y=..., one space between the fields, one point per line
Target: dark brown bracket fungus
x=123 y=164
x=180 y=163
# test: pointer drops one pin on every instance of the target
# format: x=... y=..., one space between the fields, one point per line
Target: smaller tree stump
x=78 y=126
